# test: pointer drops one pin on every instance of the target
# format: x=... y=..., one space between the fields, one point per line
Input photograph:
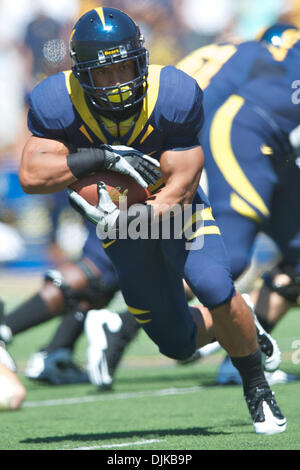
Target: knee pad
x=97 y=293
x=57 y=279
x=289 y=292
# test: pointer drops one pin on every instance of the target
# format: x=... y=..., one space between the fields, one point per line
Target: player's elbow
x=25 y=182
x=30 y=182
x=31 y=178
x=32 y=170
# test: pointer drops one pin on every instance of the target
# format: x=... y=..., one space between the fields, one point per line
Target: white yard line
x=112 y=396
x=122 y=444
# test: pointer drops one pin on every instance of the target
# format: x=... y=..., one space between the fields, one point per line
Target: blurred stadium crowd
x=34 y=36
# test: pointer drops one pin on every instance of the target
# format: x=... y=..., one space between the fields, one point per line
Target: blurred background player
x=244 y=196
x=280 y=289
x=281 y=283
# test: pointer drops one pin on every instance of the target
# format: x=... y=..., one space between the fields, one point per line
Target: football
x=116 y=184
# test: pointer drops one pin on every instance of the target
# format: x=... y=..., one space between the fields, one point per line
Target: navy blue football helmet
x=105 y=36
x=273 y=35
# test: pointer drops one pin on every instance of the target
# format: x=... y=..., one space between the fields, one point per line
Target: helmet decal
x=100 y=12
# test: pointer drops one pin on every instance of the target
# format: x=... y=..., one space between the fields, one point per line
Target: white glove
x=104 y=215
x=124 y=160
x=144 y=165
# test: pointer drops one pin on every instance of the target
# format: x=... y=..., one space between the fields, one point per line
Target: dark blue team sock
x=251 y=371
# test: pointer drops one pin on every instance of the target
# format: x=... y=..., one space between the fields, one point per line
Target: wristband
x=86 y=161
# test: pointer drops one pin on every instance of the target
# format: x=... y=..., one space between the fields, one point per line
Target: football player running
x=111 y=82
x=92 y=281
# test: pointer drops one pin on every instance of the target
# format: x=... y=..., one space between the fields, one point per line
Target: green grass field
x=155 y=404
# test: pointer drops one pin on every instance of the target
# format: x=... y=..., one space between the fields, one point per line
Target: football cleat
x=55 y=368
x=265 y=413
x=108 y=335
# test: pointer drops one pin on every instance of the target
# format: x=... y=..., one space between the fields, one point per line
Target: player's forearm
x=181 y=172
x=43 y=173
x=174 y=195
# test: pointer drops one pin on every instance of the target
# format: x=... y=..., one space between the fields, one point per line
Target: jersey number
x=205 y=62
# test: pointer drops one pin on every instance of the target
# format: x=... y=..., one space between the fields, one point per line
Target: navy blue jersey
x=271 y=101
x=221 y=69
x=171 y=115
x=262 y=76
x=171 y=118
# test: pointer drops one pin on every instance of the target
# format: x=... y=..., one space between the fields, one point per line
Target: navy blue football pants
x=150 y=274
